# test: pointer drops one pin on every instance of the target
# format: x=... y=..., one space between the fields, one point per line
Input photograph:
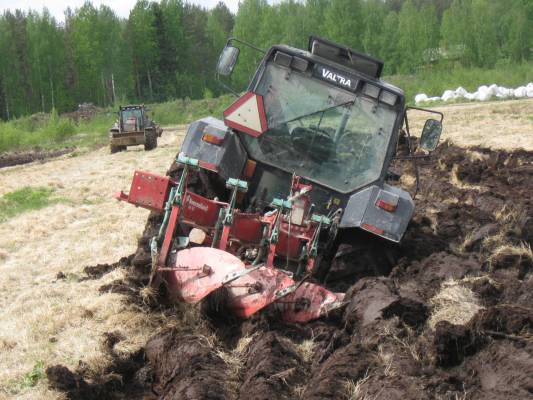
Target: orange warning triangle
x=247 y=114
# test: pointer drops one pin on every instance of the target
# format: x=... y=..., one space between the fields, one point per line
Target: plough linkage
x=251 y=282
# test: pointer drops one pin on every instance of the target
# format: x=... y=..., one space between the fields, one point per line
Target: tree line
x=168 y=49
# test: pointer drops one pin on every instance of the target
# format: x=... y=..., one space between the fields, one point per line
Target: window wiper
x=320 y=111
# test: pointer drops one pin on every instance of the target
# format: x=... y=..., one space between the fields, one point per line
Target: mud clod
x=272 y=369
x=508 y=319
x=452 y=343
x=186 y=367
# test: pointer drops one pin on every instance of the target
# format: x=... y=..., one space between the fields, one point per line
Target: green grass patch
x=434 y=80
x=25 y=199
x=29 y=379
x=50 y=131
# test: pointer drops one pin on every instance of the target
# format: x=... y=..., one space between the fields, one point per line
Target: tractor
x=290 y=196
x=132 y=128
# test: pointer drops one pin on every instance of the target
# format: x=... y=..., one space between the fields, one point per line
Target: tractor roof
x=132 y=107
x=344 y=59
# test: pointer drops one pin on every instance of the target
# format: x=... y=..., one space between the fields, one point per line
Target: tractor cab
x=131 y=118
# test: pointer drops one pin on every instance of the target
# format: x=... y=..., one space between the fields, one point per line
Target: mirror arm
x=227 y=87
x=411 y=155
x=425 y=110
x=234 y=39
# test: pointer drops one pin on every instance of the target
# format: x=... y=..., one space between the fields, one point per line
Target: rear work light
x=386 y=206
x=373 y=229
x=213 y=139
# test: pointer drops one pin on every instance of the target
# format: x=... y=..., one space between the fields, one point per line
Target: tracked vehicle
x=132 y=128
x=290 y=191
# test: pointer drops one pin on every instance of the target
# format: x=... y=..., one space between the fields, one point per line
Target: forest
x=168 y=50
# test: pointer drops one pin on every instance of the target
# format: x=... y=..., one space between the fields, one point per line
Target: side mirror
x=430 y=135
x=227 y=60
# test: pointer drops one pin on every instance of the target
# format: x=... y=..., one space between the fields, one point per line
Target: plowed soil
x=453 y=320
x=25 y=157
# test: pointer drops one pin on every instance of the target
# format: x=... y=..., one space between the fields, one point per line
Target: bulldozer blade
x=199 y=271
x=309 y=301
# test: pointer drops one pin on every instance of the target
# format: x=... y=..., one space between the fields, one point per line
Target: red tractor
x=288 y=190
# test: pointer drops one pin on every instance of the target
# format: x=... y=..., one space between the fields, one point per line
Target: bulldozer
x=133 y=128
x=290 y=195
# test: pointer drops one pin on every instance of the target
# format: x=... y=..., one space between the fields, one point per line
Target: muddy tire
x=358 y=254
x=150 y=139
x=116 y=149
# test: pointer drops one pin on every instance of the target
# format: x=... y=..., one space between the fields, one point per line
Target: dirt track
x=453 y=320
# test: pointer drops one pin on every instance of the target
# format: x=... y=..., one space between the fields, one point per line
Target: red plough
x=239 y=252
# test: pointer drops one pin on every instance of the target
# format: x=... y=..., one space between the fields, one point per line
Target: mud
x=123 y=377
x=24 y=157
x=474 y=211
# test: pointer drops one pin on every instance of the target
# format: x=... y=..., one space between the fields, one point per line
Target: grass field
x=48 y=318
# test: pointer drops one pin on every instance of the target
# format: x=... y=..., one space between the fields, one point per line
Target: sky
x=121 y=7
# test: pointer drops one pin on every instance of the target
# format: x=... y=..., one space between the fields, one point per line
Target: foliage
x=168 y=49
x=25 y=199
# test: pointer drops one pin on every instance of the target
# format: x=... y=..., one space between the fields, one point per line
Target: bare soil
x=24 y=157
x=453 y=320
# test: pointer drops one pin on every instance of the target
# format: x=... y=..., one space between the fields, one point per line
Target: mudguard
x=384 y=211
x=224 y=155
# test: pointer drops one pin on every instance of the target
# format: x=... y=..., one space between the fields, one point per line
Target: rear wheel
x=357 y=254
x=150 y=139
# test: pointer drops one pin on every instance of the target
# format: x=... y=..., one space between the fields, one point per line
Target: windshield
x=321 y=132
x=132 y=119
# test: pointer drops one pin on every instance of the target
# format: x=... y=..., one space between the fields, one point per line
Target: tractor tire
x=357 y=254
x=150 y=139
x=116 y=149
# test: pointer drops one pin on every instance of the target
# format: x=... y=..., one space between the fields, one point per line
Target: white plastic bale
x=520 y=92
x=448 y=95
x=493 y=89
x=529 y=90
x=460 y=92
x=483 y=93
x=421 y=97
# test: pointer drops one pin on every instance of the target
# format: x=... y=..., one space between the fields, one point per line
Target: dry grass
x=496 y=125
x=518 y=253
x=235 y=360
x=457 y=182
x=355 y=390
x=47 y=320
x=454 y=303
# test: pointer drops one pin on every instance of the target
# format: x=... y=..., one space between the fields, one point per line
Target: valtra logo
x=332 y=76
x=341 y=80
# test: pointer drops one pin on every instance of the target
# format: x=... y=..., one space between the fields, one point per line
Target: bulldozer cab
x=131 y=118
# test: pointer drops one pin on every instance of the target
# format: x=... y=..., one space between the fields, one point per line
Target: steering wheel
x=315 y=142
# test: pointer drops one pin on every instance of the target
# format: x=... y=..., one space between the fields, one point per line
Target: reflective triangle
x=247 y=114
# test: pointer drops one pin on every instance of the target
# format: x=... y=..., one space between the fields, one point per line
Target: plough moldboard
x=238 y=251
